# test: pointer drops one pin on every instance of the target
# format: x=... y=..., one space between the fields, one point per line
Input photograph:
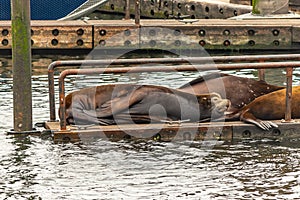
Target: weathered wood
x=21 y=62
x=161 y=132
x=224 y=131
x=277 y=34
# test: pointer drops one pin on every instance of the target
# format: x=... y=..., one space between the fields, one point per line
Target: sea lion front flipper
x=119 y=104
x=247 y=116
x=82 y=116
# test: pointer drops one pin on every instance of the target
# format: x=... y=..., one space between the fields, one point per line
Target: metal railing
x=289 y=65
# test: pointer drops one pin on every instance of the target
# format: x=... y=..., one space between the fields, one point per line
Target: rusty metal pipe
x=268 y=65
x=288 y=100
x=127 y=10
x=192 y=60
x=245 y=58
x=137 y=12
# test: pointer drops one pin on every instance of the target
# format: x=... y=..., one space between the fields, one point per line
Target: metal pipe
x=192 y=60
x=21 y=62
x=62 y=103
x=288 y=100
x=137 y=12
x=127 y=10
x=261 y=74
x=51 y=95
x=164 y=69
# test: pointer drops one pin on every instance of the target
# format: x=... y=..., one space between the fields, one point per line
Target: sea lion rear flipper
x=247 y=116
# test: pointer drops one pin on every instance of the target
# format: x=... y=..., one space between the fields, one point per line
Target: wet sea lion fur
x=128 y=103
x=268 y=107
x=239 y=90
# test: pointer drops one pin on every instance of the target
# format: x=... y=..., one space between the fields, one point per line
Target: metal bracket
x=175 y=123
x=82 y=127
x=188 y=21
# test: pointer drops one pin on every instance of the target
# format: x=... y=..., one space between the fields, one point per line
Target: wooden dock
x=223 y=131
x=219 y=34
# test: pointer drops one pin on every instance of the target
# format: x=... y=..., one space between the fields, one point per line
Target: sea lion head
x=220 y=106
x=215 y=104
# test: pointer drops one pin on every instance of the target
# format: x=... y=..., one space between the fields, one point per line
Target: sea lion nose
x=224 y=105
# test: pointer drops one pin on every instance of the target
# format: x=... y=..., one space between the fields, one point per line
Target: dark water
x=33 y=167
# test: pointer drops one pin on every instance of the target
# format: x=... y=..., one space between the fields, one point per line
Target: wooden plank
x=225 y=131
x=211 y=34
x=296 y=34
x=53 y=35
x=161 y=132
x=61 y=35
x=111 y=34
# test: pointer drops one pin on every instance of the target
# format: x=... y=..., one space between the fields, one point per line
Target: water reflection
x=149 y=170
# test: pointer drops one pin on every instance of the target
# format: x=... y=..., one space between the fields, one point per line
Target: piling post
x=127 y=10
x=270 y=7
x=288 y=101
x=137 y=12
x=21 y=62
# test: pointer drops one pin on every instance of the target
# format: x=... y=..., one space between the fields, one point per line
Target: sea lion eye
x=206 y=102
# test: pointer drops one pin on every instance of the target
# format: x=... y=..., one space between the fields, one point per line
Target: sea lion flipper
x=266 y=125
x=106 y=109
x=91 y=116
x=119 y=104
x=270 y=124
x=247 y=116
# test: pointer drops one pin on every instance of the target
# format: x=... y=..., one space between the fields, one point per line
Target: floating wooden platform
x=224 y=131
x=274 y=34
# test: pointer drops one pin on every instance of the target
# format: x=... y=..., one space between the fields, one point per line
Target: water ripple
x=35 y=168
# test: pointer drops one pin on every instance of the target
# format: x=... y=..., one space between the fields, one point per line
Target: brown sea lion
x=128 y=103
x=240 y=91
x=268 y=107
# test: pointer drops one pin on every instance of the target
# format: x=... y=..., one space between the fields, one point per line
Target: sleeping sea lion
x=268 y=107
x=128 y=103
x=240 y=91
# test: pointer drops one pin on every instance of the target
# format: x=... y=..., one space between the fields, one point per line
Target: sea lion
x=240 y=91
x=128 y=103
x=268 y=107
